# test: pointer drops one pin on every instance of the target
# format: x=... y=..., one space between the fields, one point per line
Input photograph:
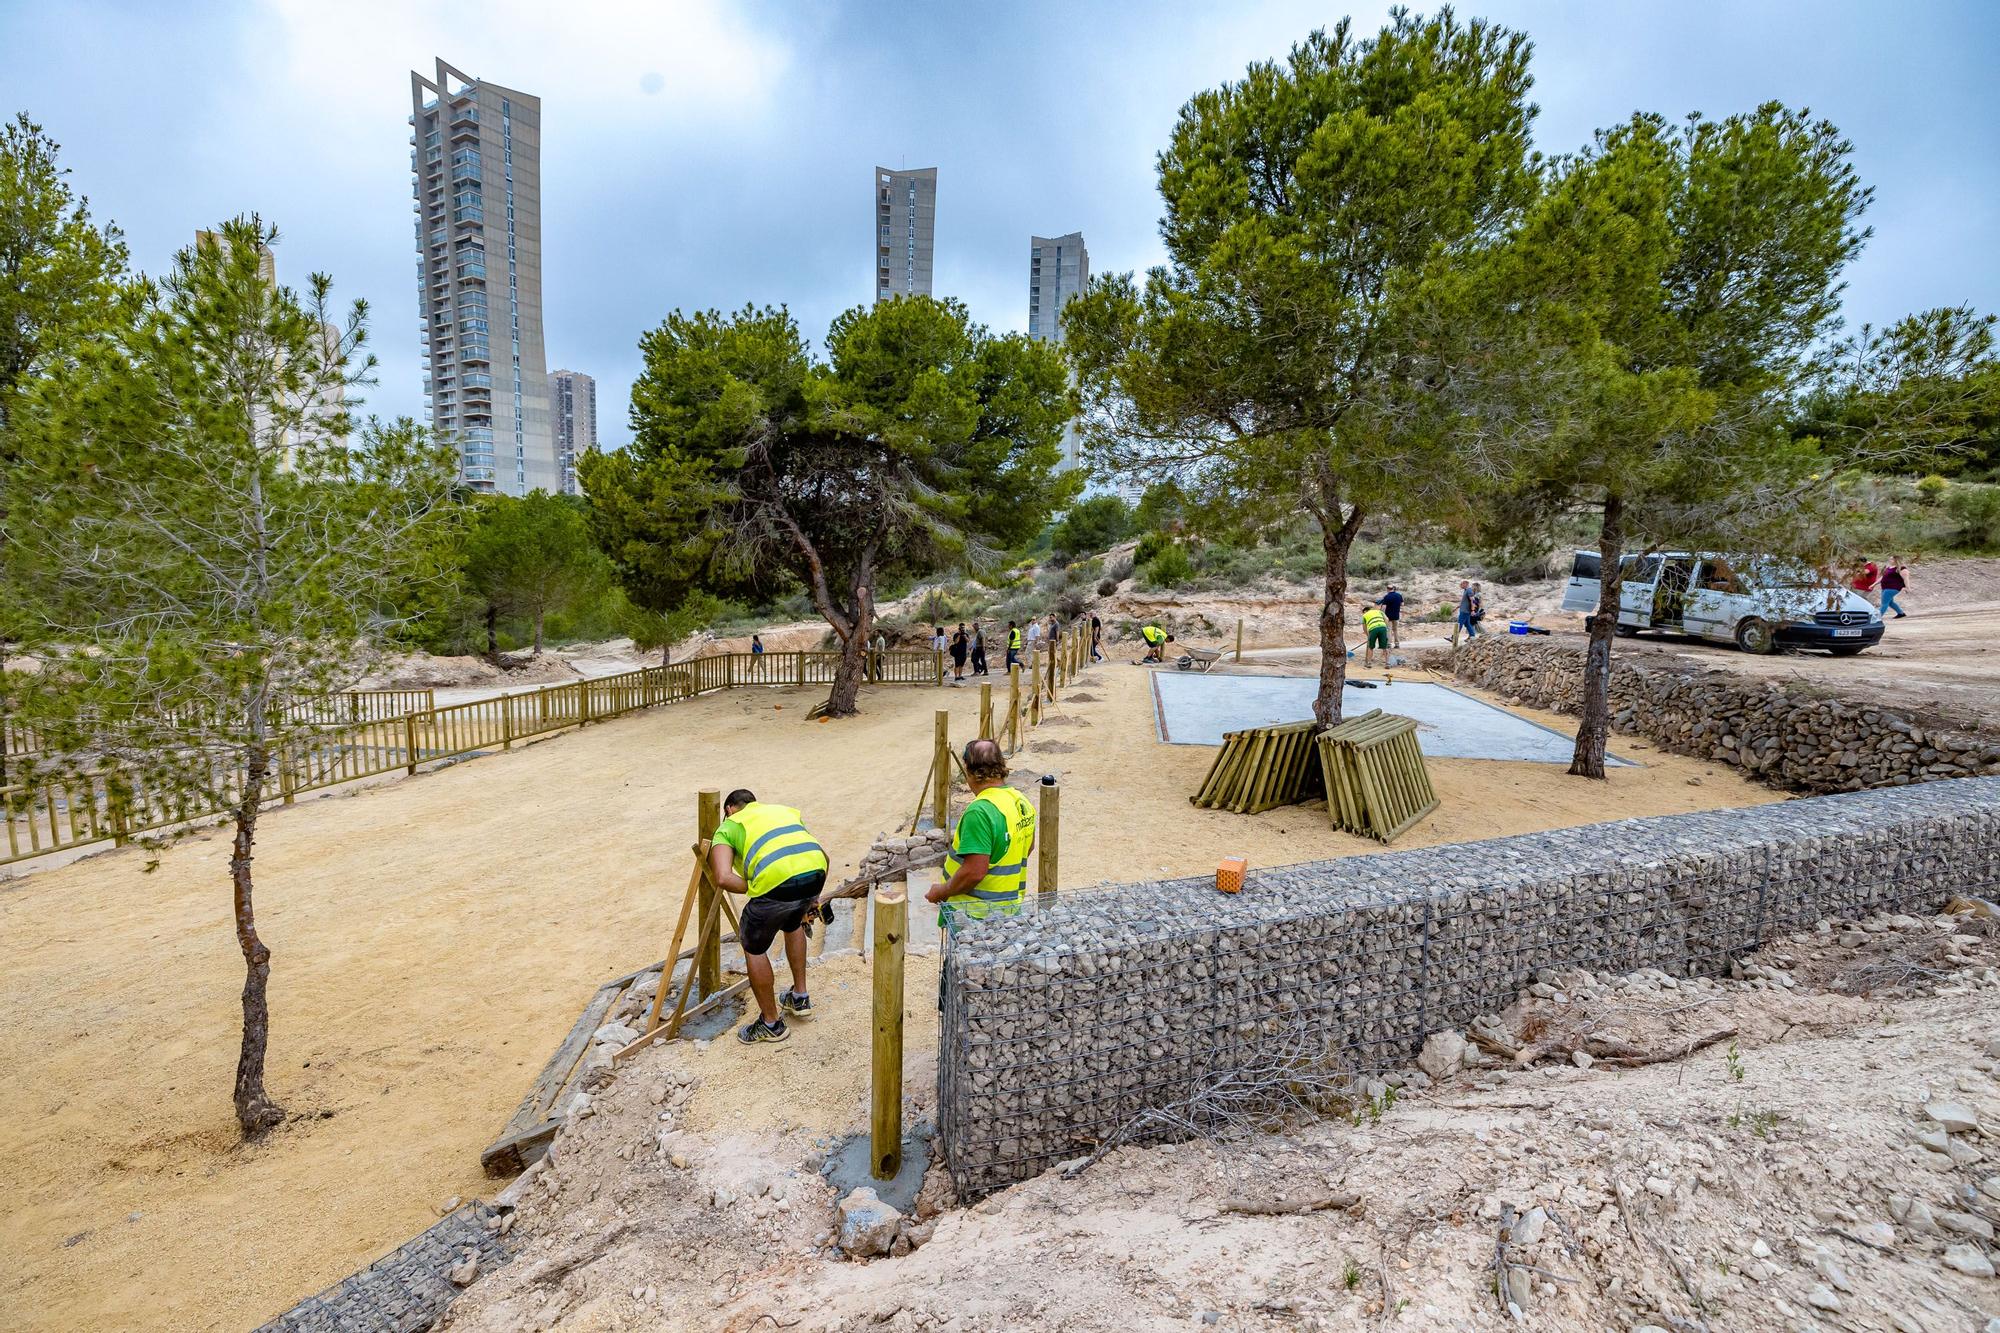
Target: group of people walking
x=967 y=647
x=1882 y=584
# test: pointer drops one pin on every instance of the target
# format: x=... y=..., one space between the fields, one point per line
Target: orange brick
x=1229 y=874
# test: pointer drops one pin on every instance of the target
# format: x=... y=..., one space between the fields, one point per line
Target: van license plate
x=1847 y=634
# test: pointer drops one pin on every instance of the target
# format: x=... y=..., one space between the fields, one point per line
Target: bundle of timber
x=1261 y=768
x=1376 y=783
x=892 y=858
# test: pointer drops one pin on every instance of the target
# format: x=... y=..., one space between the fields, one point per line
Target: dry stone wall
x=1784 y=736
x=1062 y=1026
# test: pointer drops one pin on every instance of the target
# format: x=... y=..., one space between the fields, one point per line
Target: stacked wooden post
x=1261 y=768
x=1376 y=782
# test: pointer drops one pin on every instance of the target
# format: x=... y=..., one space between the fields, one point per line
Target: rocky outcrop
x=1784 y=735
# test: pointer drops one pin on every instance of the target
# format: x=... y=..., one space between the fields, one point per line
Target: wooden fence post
x=582 y=702
x=941 y=769
x=506 y=722
x=728 y=671
x=285 y=777
x=937 y=663
x=1013 y=708
x=1035 y=689
x=986 y=711
x=885 y=1118
x=802 y=667
x=410 y=741
x=1048 y=830
x=1239 y=638
x=708 y=956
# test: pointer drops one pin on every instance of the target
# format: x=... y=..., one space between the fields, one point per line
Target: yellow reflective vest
x=1154 y=634
x=1373 y=619
x=1006 y=879
x=775 y=848
x=1014 y=639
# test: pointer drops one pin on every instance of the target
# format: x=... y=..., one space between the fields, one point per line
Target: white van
x=1759 y=603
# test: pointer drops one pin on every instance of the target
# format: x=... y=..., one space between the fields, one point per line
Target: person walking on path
x=1469 y=611
x=1096 y=639
x=978 y=649
x=1391 y=603
x=986 y=871
x=765 y=852
x=1375 y=626
x=1866 y=581
x=1054 y=635
x=1034 y=634
x=757 y=645
x=1013 y=644
x=881 y=646
x=1892 y=584
x=959 y=646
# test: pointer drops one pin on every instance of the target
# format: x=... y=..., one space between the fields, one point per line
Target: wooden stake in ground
x=885 y=1120
x=986 y=711
x=680 y=931
x=708 y=960
x=941 y=769
x=1048 y=828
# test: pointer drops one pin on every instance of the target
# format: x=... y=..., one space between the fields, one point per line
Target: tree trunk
x=1336 y=539
x=492 y=635
x=255 y=1111
x=538 y=635
x=1593 y=726
x=853 y=665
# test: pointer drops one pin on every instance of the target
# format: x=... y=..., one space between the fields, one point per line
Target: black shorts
x=781 y=911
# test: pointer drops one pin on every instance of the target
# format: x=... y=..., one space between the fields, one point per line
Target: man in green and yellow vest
x=1157 y=640
x=1375 y=625
x=764 y=851
x=986 y=871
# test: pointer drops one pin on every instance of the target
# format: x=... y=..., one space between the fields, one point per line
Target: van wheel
x=1756 y=636
x=1625 y=631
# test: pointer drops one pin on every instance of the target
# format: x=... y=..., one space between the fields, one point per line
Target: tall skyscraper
x=476 y=173
x=905 y=225
x=1058 y=271
x=573 y=412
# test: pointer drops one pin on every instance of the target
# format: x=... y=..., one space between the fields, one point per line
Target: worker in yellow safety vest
x=1375 y=626
x=1013 y=644
x=986 y=871
x=765 y=851
x=1157 y=640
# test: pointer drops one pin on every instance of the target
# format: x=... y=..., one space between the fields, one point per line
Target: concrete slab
x=848 y=1166
x=1197 y=710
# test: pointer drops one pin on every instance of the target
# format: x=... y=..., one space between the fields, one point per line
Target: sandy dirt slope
x=1790 y=1177
x=434 y=938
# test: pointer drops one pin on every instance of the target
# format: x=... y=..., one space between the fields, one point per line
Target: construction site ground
x=434 y=938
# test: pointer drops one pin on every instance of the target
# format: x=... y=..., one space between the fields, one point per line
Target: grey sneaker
x=795 y=1004
x=757 y=1030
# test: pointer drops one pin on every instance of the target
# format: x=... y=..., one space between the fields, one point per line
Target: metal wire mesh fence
x=1063 y=1027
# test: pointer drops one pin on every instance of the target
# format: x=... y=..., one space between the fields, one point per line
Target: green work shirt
x=982 y=831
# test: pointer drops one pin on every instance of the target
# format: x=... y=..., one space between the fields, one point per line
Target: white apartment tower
x=905 y=225
x=573 y=412
x=1058 y=271
x=476 y=174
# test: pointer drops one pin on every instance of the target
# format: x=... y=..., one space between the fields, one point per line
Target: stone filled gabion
x=1063 y=1024
x=1776 y=733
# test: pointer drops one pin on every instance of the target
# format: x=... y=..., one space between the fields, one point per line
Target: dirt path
x=434 y=938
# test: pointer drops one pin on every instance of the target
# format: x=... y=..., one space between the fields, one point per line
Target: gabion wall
x=1062 y=1025
x=1777 y=733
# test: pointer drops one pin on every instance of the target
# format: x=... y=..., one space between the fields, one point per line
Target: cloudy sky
x=710 y=154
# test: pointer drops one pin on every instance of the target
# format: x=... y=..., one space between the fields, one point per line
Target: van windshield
x=1777 y=572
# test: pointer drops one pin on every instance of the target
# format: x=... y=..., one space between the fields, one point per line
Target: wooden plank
x=885 y=1087
x=680 y=932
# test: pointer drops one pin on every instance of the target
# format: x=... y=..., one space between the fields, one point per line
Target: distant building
x=905 y=228
x=332 y=398
x=1058 y=271
x=476 y=173
x=573 y=413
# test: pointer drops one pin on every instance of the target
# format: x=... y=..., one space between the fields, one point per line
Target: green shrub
x=1171 y=568
x=1150 y=545
x=1976 y=512
x=1931 y=489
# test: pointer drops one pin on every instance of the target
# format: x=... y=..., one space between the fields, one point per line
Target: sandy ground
x=1786 y=1176
x=434 y=938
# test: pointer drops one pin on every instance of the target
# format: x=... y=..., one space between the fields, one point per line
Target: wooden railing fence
x=50 y=817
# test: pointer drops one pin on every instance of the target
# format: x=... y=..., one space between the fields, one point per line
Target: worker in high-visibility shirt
x=986 y=871
x=764 y=851
x=1157 y=640
x=1375 y=626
